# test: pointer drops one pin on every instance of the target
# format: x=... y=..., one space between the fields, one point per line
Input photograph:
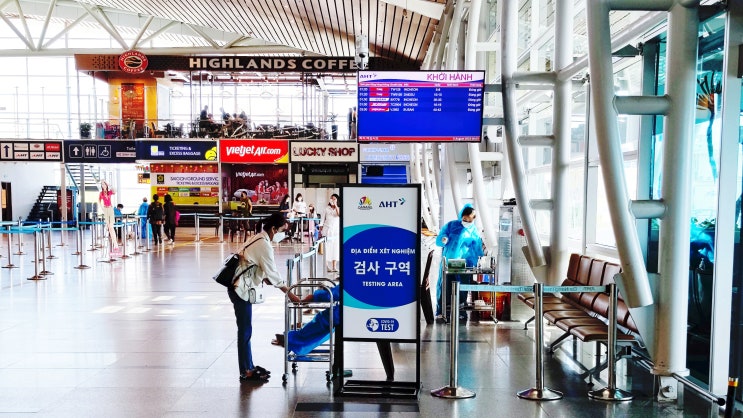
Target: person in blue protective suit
x=317 y=331
x=460 y=239
x=142 y=215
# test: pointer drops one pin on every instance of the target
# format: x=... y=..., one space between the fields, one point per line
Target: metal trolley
x=293 y=320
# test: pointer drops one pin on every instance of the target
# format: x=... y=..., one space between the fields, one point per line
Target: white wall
x=27 y=180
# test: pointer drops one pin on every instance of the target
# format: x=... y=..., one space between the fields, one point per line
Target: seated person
x=317 y=331
x=118 y=217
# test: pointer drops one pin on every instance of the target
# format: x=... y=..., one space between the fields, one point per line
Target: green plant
x=85 y=129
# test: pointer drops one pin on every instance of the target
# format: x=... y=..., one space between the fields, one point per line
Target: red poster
x=265 y=184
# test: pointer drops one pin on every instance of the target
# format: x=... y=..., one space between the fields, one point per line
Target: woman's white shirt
x=261 y=254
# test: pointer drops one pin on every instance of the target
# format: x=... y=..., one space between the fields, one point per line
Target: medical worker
x=460 y=239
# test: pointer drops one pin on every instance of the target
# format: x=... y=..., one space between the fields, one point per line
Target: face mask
x=279 y=236
x=467 y=224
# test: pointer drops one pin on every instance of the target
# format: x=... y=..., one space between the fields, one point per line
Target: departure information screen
x=420 y=106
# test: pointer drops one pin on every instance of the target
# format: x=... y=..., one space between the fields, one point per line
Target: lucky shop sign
x=254 y=151
x=325 y=151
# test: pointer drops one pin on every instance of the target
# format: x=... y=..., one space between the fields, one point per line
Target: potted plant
x=85 y=130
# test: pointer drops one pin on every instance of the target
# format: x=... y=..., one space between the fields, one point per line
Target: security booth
x=317 y=168
x=384 y=163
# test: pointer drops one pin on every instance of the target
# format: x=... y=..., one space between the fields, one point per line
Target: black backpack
x=157 y=213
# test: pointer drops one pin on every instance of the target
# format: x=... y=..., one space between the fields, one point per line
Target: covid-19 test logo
x=382 y=325
x=365 y=203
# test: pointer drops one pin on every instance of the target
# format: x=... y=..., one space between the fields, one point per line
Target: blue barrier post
x=80 y=253
x=20 y=241
x=36 y=275
x=539 y=392
x=10 y=264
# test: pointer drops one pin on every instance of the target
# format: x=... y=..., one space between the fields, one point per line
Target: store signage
x=384 y=152
x=379 y=262
x=103 y=151
x=133 y=62
x=325 y=151
x=31 y=151
x=233 y=63
x=254 y=151
x=180 y=150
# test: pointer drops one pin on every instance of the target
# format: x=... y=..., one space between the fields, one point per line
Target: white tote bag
x=246 y=288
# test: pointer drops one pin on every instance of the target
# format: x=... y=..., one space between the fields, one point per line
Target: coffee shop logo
x=133 y=62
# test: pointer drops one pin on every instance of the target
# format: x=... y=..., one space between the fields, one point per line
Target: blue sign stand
x=379 y=286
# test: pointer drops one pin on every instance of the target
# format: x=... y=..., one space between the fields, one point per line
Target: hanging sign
x=380 y=233
x=31 y=151
x=324 y=151
x=103 y=151
x=180 y=150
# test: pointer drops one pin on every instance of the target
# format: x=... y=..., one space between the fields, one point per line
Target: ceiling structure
x=399 y=31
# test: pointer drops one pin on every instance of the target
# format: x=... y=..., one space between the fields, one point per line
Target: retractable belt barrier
x=539 y=391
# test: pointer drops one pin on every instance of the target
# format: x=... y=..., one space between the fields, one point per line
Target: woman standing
x=258 y=252
x=104 y=199
x=169 y=221
x=299 y=210
x=331 y=230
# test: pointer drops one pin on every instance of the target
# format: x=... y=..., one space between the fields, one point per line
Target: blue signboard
x=177 y=150
x=379 y=262
x=102 y=151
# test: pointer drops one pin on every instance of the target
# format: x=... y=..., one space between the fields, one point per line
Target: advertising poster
x=379 y=261
x=265 y=184
x=188 y=184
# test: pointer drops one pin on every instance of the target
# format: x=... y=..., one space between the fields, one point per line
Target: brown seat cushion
x=597 y=333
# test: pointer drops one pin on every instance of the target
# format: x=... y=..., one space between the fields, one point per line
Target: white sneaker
x=171 y=241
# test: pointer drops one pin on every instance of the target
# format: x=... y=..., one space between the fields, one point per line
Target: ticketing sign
x=31 y=151
x=176 y=150
x=380 y=232
x=104 y=151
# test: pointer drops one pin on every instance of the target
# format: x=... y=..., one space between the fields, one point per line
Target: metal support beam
x=146 y=25
x=203 y=34
x=541 y=204
x=538 y=78
x=642 y=105
x=647 y=209
x=537 y=140
x=47 y=19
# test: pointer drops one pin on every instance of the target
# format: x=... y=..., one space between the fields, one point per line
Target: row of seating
x=584 y=315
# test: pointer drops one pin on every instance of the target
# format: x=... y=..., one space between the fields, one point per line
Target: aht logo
x=392 y=203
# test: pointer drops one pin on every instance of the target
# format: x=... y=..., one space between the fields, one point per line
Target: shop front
x=384 y=163
x=319 y=168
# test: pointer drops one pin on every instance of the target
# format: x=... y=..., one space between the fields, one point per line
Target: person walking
x=331 y=230
x=258 y=252
x=155 y=215
x=169 y=223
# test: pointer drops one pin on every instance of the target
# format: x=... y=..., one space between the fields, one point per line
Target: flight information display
x=420 y=106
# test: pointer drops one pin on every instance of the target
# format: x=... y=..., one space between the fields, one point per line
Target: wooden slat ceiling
x=325 y=27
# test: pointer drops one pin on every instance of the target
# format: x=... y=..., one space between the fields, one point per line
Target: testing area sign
x=380 y=239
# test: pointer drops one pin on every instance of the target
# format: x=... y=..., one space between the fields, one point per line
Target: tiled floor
x=153 y=336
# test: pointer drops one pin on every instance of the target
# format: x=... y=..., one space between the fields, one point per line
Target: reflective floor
x=153 y=336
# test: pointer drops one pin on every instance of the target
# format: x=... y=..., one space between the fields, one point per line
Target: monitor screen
x=420 y=106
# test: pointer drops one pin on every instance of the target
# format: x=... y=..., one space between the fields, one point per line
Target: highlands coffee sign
x=132 y=61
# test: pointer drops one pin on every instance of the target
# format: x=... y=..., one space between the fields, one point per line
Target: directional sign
x=99 y=151
x=27 y=151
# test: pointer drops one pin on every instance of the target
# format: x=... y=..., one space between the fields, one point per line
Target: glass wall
x=705 y=163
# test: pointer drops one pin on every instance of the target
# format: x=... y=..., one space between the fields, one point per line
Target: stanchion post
x=10 y=264
x=221 y=228
x=539 y=392
x=196 y=224
x=51 y=256
x=36 y=275
x=62 y=234
x=611 y=392
x=124 y=241
x=44 y=271
x=20 y=241
x=453 y=391
x=80 y=253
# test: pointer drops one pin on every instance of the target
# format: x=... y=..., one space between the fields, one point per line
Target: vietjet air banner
x=261 y=151
x=380 y=230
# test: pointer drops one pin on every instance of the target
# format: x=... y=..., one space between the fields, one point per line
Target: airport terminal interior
x=577 y=162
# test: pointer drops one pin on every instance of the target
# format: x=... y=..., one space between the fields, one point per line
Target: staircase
x=45 y=207
x=92 y=176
